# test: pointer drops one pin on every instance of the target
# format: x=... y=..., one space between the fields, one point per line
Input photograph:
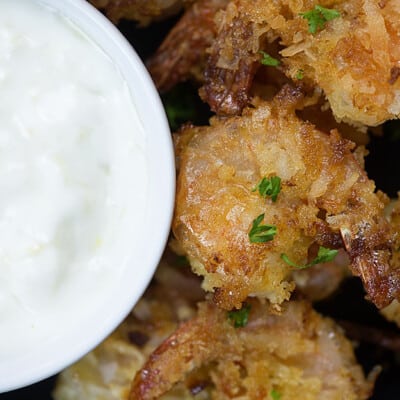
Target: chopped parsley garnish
x=269 y=187
x=240 y=317
x=261 y=233
x=268 y=60
x=318 y=17
x=324 y=255
x=299 y=74
x=275 y=395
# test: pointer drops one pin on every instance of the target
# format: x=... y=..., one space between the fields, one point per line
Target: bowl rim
x=48 y=360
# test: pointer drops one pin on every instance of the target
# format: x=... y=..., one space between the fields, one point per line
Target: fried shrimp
x=352 y=54
x=392 y=312
x=297 y=352
x=183 y=52
x=142 y=11
x=325 y=199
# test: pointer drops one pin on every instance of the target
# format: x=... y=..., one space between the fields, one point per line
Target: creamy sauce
x=72 y=165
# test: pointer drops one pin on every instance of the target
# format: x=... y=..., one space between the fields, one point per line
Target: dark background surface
x=383 y=165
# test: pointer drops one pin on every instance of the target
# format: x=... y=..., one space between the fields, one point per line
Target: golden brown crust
x=392 y=311
x=182 y=53
x=226 y=87
x=325 y=195
x=354 y=59
x=295 y=352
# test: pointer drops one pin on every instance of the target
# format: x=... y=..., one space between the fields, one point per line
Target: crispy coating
x=232 y=63
x=326 y=198
x=183 y=52
x=141 y=11
x=355 y=58
x=271 y=346
x=315 y=109
x=297 y=352
x=321 y=116
x=392 y=312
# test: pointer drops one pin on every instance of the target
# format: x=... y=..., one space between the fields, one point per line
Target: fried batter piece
x=297 y=352
x=354 y=59
x=106 y=372
x=392 y=312
x=326 y=198
x=183 y=52
x=142 y=11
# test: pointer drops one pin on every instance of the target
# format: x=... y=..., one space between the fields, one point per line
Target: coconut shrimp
x=295 y=352
x=352 y=54
x=325 y=199
x=392 y=312
x=182 y=54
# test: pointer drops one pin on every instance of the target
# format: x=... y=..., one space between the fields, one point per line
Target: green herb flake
x=240 y=317
x=324 y=255
x=275 y=395
x=299 y=74
x=269 y=187
x=318 y=17
x=268 y=60
x=261 y=233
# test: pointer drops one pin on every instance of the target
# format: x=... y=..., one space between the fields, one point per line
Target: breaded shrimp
x=183 y=52
x=295 y=354
x=325 y=198
x=392 y=312
x=354 y=57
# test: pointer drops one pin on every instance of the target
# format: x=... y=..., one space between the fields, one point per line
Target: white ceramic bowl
x=49 y=357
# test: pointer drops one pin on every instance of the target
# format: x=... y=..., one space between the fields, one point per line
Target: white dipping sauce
x=71 y=162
